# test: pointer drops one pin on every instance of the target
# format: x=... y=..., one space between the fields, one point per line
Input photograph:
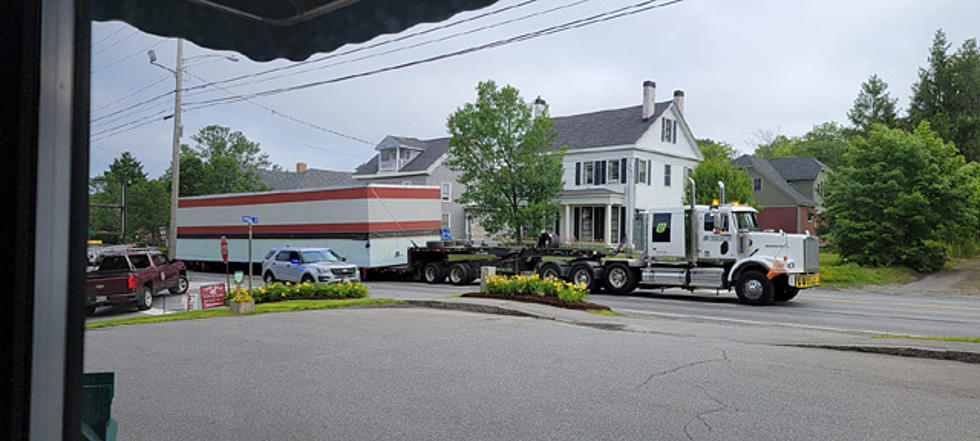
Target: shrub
x=534 y=285
x=277 y=292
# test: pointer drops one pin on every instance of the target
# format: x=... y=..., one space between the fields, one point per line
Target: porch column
x=608 y=221
x=567 y=223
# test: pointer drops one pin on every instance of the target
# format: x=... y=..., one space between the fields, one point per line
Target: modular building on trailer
x=371 y=225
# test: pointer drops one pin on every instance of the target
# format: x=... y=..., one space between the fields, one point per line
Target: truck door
x=716 y=234
x=666 y=234
x=170 y=272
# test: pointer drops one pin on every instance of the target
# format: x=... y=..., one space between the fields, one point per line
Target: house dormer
x=394 y=153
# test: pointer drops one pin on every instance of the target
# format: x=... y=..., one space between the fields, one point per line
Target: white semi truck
x=717 y=246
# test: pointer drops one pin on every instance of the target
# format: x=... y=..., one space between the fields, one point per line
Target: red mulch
x=531 y=298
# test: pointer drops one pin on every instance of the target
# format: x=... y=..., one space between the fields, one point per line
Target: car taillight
x=132 y=282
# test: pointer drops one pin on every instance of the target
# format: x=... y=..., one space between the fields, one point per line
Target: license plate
x=101 y=298
x=807 y=280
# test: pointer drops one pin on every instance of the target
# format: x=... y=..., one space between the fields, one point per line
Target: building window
x=641 y=172
x=445 y=221
x=388 y=160
x=586 y=224
x=446 y=191
x=613 y=171
x=614 y=225
x=666 y=175
x=756 y=184
x=668 y=129
x=589 y=173
x=820 y=189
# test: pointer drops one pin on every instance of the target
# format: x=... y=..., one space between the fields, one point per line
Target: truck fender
x=759 y=263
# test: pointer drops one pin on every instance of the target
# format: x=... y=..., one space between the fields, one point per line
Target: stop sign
x=224 y=249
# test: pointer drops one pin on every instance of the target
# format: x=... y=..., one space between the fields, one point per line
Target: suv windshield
x=746 y=221
x=319 y=256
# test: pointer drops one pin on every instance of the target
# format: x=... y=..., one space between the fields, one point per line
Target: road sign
x=224 y=249
x=250 y=219
x=239 y=277
x=212 y=296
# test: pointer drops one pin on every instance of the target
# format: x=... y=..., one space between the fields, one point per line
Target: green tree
x=504 y=157
x=827 y=142
x=873 y=105
x=106 y=189
x=899 y=198
x=738 y=185
x=771 y=144
x=221 y=161
x=716 y=149
x=148 y=210
x=947 y=94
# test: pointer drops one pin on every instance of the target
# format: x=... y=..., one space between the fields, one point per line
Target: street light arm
x=163 y=67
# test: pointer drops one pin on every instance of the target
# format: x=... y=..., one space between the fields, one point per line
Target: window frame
x=588 y=172
x=446 y=191
x=756 y=184
x=667 y=175
x=446 y=221
x=613 y=172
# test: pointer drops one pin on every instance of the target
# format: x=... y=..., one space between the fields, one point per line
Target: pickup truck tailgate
x=107 y=284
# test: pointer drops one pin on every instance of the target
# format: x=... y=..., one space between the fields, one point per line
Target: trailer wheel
x=549 y=270
x=433 y=272
x=582 y=274
x=754 y=288
x=459 y=274
x=620 y=279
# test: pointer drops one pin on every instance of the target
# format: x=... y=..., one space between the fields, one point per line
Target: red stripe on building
x=353 y=227
x=313 y=195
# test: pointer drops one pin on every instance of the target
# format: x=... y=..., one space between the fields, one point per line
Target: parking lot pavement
x=420 y=374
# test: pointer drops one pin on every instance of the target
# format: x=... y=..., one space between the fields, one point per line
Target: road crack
x=723 y=358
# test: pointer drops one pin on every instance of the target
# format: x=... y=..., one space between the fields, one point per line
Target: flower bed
x=278 y=292
x=536 y=286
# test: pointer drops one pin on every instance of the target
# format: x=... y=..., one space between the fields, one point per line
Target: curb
x=900 y=351
x=474 y=307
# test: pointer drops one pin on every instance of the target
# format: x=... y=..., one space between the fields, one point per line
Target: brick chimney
x=300 y=167
x=649 y=97
x=679 y=100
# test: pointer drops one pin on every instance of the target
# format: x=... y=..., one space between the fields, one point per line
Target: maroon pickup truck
x=133 y=277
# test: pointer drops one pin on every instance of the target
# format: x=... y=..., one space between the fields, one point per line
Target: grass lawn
x=912 y=337
x=289 y=305
x=834 y=273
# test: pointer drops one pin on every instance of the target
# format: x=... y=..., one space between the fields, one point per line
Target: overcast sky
x=775 y=65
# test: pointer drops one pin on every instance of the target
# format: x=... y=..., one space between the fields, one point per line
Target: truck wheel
x=182 y=284
x=459 y=274
x=144 y=301
x=582 y=274
x=549 y=270
x=268 y=278
x=433 y=273
x=786 y=293
x=620 y=279
x=89 y=310
x=754 y=288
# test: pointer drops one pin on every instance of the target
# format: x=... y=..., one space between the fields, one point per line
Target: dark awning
x=267 y=29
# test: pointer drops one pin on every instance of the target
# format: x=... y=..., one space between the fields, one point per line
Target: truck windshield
x=746 y=221
x=319 y=256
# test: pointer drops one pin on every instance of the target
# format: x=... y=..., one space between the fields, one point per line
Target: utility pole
x=122 y=207
x=175 y=164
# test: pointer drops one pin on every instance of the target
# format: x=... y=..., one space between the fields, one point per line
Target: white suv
x=299 y=265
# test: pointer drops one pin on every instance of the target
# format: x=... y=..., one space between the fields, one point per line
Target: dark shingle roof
x=796 y=169
x=311 y=178
x=594 y=129
x=766 y=170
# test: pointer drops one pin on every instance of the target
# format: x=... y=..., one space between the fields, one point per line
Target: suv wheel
x=307 y=278
x=268 y=278
x=144 y=301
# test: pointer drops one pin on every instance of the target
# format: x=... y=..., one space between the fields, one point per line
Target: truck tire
x=620 y=279
x=459 y=274
x=433 y=272
x=182 y=285
x=549 y=269
x=754 y=288
x=144 y=300
x=786 y=293
x=584 y=274
x=90 y=310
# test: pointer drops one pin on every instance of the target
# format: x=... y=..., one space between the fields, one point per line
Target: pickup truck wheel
x=620 y=279
x=89 y=310
x=144 y=301
x=433 y=273
x=182 y=284
x=754 y=288
x=268 y=278
x=582 y=275
x=786 y=293
x=549 y=270
x=459 y=274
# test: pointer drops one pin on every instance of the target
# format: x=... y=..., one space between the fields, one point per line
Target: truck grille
x=811 y=255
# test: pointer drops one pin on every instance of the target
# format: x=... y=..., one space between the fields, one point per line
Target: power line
x=120 y=60
x=574 y=24
x=116 y=43
x=130 y=95
x=103 y=39
x=415 y=45
x=374 y=45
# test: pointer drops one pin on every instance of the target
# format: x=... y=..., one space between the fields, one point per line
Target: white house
x=619 y=162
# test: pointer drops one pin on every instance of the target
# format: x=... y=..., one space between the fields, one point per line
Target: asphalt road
x=844 y=310
x=421 y=374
